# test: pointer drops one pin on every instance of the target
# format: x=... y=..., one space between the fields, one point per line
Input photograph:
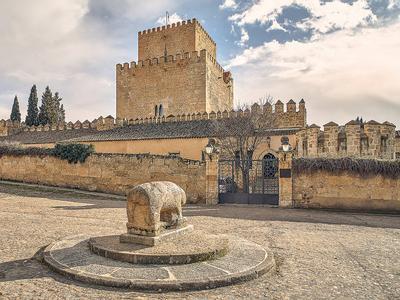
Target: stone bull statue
x=155 y=206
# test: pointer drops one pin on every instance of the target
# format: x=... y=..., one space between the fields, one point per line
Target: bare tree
x=239 y=136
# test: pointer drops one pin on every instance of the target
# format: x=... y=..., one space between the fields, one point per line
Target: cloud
x=228 y=4
x=341 y=75
x=324 y=16
x=174 y=18
x=276 y=26
x=244 y=37
x=394 y=4
x=136 y=11
x=71 y=45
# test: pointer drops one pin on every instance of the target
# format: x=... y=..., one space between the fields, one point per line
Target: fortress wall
x=142 y=86
x=219 y=94
x=109 y=173
x=204 y=41
x=187 y=148
x=290 y=117
x=346 y=191
x=366 y=140
x=176 y=38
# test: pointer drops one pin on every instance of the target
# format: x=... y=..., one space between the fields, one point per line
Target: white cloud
x=244 y=37
x=394 y=4
x=324 y=16
x=276 y=26
x=231 y=4
x=64 y=44
x=341 y=75
x=174 y=18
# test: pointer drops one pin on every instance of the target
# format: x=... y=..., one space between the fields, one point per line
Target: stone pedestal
x=159 y=252
x=166 y=235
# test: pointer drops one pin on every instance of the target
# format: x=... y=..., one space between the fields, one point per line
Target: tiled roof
x=46 y=137
x=168 y=130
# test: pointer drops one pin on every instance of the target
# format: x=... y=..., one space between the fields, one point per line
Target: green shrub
x=73 y=152
x=362 y=167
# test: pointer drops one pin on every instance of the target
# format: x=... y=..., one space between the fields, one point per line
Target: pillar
x=285 y=179
x=212 y=178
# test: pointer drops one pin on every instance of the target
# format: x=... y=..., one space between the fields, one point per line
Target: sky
x=341 y=56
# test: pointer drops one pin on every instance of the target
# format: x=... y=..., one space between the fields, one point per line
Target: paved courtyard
x=319 y=254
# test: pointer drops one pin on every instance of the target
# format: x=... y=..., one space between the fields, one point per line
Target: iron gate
x=249 y=182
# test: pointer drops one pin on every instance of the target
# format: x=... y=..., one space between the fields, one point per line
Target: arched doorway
x=270 y=166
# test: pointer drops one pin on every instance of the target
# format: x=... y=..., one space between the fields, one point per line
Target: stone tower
x=176 y=73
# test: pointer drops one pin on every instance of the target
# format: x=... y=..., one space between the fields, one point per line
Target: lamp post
x=286 y=147
x=210 y=148
x=211 y=172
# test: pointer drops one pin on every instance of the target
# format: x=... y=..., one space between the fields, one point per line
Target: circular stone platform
x=244 y=261
x=183 y=249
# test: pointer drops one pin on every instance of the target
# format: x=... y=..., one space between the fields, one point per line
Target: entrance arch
x=270 y=165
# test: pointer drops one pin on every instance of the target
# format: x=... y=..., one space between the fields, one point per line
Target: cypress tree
x=33 y=111
x=15 y=113
x=45 y=107
x=61 y=114
x=56 y=109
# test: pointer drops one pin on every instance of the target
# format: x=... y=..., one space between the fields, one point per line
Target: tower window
x=160 y=110
x=156 y=110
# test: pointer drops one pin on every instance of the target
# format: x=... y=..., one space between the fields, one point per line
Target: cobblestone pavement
x=320 y=254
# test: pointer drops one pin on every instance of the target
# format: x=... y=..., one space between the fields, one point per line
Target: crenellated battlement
x=354 y=139
x=296 y=114
x=100 y=124
x=188 y=57
x=189 y=22
x=215 y=63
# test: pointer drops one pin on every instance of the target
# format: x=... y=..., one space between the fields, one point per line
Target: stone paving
x=319 y=254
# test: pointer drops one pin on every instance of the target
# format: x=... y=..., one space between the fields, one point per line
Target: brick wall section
x=109 y=173
x=346 y=191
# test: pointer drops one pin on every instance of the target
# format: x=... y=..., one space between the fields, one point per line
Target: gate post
x=285 y=179
x=212 y=179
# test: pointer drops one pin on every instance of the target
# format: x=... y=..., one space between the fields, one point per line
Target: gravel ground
x=319 y=254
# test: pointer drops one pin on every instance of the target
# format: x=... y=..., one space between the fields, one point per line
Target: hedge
x=73 y=153
x=362 y=167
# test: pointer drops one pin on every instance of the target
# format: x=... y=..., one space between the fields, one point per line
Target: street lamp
x=210 y=148
x=285 y=144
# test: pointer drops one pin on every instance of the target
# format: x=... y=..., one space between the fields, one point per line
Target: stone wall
x=346 y=191
x=355 y=139
x=110 y=173
x=142 y=86
x=176 y=70
x=190 y=148
x=219 y=87
x=176 y=38
x=291 y=117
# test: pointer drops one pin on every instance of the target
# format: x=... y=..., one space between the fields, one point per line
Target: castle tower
x=177 y=73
